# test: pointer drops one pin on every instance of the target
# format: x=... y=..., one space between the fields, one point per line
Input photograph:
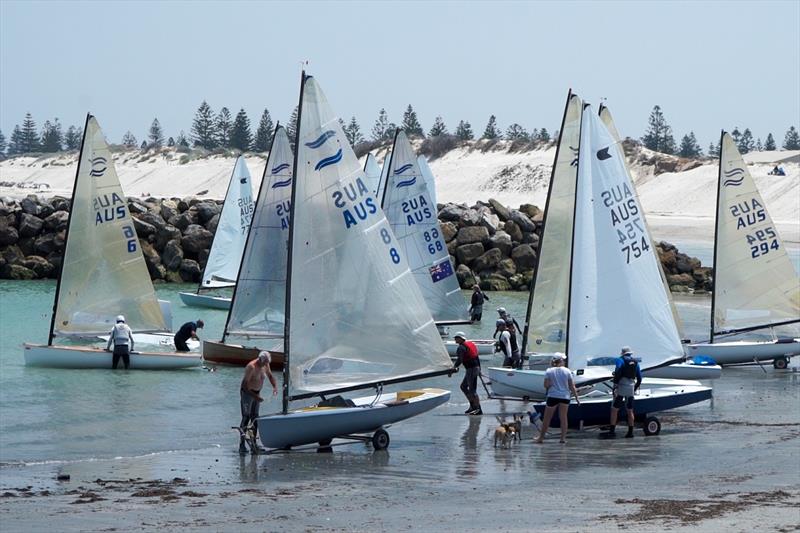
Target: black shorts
x=180 y=344
x=619 y=401
x=552 y=402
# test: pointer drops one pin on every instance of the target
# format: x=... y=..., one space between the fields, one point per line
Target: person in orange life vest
x=467 y=354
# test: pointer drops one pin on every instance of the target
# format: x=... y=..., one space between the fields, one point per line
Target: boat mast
x=544 y=223
x=292 y=208
x=247 y=241
x=388 y=168
x=716 y=238
x=51 y=335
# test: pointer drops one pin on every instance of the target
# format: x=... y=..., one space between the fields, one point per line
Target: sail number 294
x=762 y=241
x=387 y=240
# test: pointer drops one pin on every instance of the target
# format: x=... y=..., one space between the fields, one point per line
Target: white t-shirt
x=560 y=378
x=121 y=334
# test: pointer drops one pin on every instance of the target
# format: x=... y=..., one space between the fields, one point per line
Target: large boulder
x=8 y=233
x=59 y=203
x=466 y=279
x=452 y=212
x=153 y=219
x=57 y=221
x=467 y=253
x=487 y=260
x=17 y=272
x=501 y=210
x=143 y=229
x=12 y=255
x=26 y=244
x=29 y=225
x=48 y=243
x=687 y=280
x=212 y=224
x=30 y=205
x=470 y=217
x=166 y=234
x=449 y=231
x=172 y=256
x=506 y=268
x=472 y=234
x=524 y=256
x=169 y=209
x=190 y=271
x=196 y=239
x=152 y=260
x=513 y=230
x=685 y=264
x=495 y=282
x=185 y=219
x=531 y=238
x=490 y=221
x=41 y=266
x=530 y=210
x=137 y=207
x=206 y=210
x=502 y=241
x=523 y=221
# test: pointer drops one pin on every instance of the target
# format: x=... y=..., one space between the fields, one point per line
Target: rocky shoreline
x=490 y=244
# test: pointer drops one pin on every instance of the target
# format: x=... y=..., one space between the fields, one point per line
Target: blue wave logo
x=402 y=169
x=406 y=183
x=321 y=139
x=735 y=177
x=284 y=183
x=278 y=168
x=332 y=160
x=99 y=166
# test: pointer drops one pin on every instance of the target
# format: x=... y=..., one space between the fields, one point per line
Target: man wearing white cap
x=627 y=379
x=254 y=374
x=121 y=337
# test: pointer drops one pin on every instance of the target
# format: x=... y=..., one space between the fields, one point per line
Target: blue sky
x=709 y=65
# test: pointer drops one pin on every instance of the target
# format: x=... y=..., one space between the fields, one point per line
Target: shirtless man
x=254 y=374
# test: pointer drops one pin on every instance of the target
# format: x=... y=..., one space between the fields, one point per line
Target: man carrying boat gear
x=467 y=354
x=122 y=338
x=627 y=379
x=505 y=317
x=504 y=342
x=476 y=304
x=516 y=359
x=249 y=392
x=187 y=331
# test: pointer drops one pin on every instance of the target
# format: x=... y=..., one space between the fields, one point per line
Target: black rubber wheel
x=780 y=363
x=652 y=426
x=380 y=440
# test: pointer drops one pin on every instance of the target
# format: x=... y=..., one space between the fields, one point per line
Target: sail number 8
x=130 y=234
x=762 y=241
x=432 y=238
x=387 y=239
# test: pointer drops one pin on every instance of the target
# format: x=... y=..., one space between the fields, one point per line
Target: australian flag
x=441 y=271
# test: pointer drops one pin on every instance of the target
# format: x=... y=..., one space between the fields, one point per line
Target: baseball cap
x=625 y=350
x=120 y=318
x=460 y=334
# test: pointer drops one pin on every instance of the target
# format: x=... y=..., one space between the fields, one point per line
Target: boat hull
x=238 y=355
x=530 y=383
x=322 y=424
x=596 y=411
x=193 y=299
x=485 y=347
x=83 y=357
x=685 y=371
x=741 y=352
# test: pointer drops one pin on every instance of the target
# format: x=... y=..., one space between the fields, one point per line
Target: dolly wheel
x=380 y=440
x=652 y=426
x=780 y=363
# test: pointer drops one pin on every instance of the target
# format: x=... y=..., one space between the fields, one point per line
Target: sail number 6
x=130 y=234
x=387 y=239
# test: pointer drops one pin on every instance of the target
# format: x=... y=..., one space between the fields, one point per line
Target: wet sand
x=732 y=464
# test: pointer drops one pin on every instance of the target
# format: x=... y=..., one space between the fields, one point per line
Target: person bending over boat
x=627 y=380
x=122 y=338
x=467 y=354
x=476 y=304
x=187 y=331
x=559 y=383
x=250 y=393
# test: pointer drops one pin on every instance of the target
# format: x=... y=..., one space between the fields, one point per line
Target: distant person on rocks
x=122 y=338
x=250 y=394
x=627 y=380
x=467 y=354
x=187 y=331
x=559 y=383
x=516 y=357
x=505 y=317
x=476 y=304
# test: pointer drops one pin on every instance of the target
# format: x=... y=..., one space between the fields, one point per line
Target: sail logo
x=416 y=210
x=328 y=161
x=441 y=271
x=734 y=177
x=319 y=141
x=402 y=169
x=603 y=154
x=406 y=183
x=243 y=181
x=278 y=168
x=99 y=166
x=284 y=183
x=355 y=202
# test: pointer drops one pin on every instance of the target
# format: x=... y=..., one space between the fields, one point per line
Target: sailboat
x=755 y=286
x=226 y=248
x=103 y=272
x=412 y=214
x=612 y=292
x=373 y=172
x=256 y=317
x=355 y=317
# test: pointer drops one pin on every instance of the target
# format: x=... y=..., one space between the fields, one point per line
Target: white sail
x=422 y=161
x=373 y=173
x=412 y=214
x=755 y=283
x=617 y=296
x=356 y=313
x=384 y=170
x=223 y=262
x=103 y=272
x=547 y=330
x=259 y=300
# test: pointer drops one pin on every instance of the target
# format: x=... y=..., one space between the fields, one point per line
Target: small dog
x=502 y=435
x=508 y=432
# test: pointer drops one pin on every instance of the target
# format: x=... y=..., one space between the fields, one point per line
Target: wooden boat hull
x=313 y=425
x=742 y=352
x=211 y=301
x=84 y=357
x=238 y=355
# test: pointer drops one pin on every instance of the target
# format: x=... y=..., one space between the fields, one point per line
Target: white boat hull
x=205 y=300
x=740 y=352
x=313 y=425
x=485 y=347
x=82 y=357
x=685 y=371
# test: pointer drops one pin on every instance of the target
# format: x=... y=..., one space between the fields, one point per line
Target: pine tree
x=759 y=146
x=2 y=143
x=29 y=141
x=52 y=138
x=736 y=135
x=72 y=139
x=15 y=143
x=689 y=147
x=491 y=131
x=224 y=124
x=411 y=124
x=353 y=132
x=381 y=127
x=170 y=142
x=264 y=133
x=516 y=132
x=182 y=140
x=128 y=140
x=746 y=143
x=464 y=131
x=291 y=126
x=204 y=133
x=770 y=145
x=544 y=136
x=241 y=138
x=438 y=128
x=658 y=136
x=390 y=130
x=791 y=141
x=156 y=135
x=713 y=151
x=143 y=146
